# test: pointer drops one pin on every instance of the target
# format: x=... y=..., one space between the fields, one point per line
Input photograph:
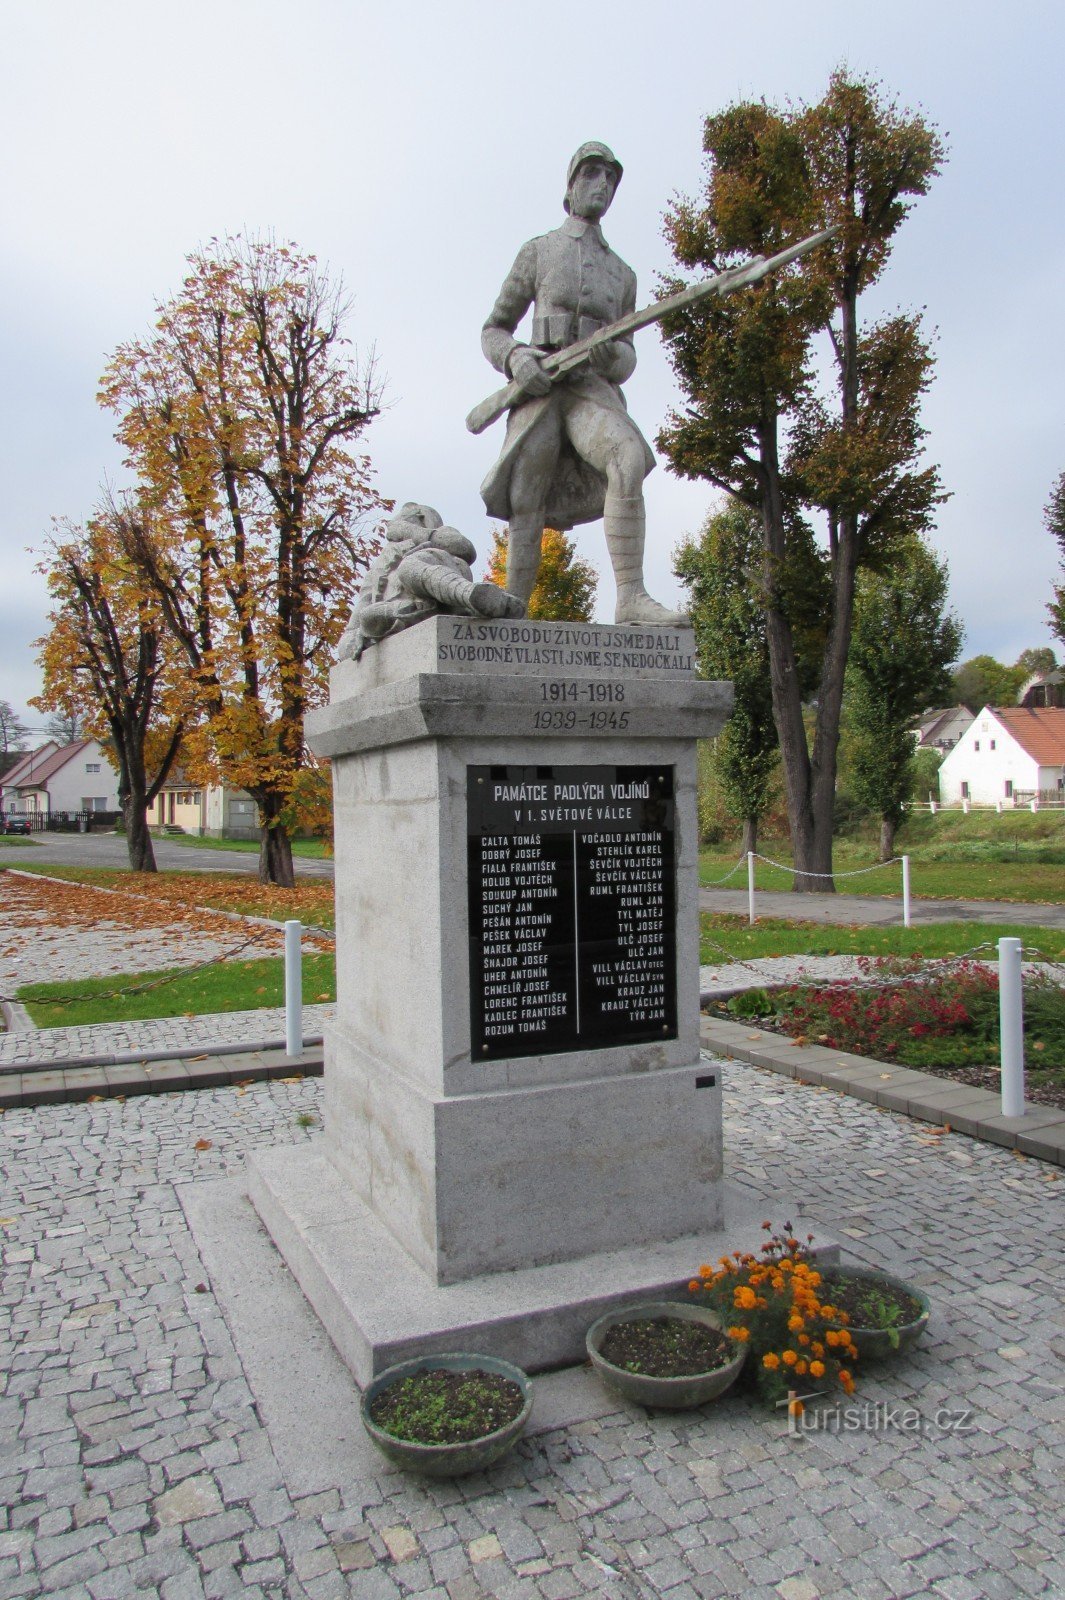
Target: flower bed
x=941 y=1018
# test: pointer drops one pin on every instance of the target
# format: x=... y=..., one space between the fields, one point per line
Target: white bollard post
x=965 y=808
x=932 y=807
x=998 y=807
x=1011 y=1025
x=293 y=988
x=905 y=891
x=750 y=887
x=1035 y=806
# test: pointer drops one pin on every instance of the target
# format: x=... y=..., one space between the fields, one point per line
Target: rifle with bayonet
x=560 y=363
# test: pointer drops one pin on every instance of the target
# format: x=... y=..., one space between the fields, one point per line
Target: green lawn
x=725 y=938
x=226 y=986
x=15 y=841
x=315 y=848
x=982 y=856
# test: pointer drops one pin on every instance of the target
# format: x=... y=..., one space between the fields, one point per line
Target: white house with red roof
x=1009 y=754
x=72 y=778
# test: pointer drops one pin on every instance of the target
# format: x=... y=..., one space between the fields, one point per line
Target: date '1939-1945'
x=602 y=721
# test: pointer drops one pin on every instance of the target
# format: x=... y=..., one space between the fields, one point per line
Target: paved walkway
x=870 y=910
x=170 y=1426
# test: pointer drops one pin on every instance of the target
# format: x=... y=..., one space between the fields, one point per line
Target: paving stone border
x=976 y=1112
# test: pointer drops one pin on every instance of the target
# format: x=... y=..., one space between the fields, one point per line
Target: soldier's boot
x=625 y=523
x=524 y=538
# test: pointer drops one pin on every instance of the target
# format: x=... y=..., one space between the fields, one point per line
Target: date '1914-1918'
x=560 y=691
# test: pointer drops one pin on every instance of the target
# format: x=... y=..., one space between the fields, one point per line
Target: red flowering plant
x=771 y=1302
x=898 y=1003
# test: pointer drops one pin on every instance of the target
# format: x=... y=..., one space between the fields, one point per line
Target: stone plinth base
x=379 y=1307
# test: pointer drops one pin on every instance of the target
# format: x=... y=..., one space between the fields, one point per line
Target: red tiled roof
x=35 y=776
x=30 y=761
x=1039 y=730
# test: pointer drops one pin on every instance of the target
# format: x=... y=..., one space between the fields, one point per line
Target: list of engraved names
x=571 y=907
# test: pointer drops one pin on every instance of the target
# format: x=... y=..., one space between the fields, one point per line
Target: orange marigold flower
x=745 y=1297
x=795 y=1323
x=800 y=1369
x=741 y=1334
x=852 y=1352
x=768 y=1226
x=795 y=1408
x=832 y=1338
x=694 y=1286
x=771 y=1360
x=804 y=1338
x=846 y=1380
x=789 y=1358
x=817 y=1369
x=818 y=1348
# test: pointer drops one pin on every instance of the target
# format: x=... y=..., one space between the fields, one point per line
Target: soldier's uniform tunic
x=575 y=285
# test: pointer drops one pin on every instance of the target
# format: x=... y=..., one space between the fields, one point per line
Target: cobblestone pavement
x=184 y=1035
x=133 y=1459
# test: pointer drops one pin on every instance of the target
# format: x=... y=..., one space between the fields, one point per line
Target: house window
x=992 y=744
x=94 y=802
x=976 y=744
x=1009 y=788
x=92 y=766
x=965 y=791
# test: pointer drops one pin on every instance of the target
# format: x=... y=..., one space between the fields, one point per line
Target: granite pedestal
x=513 y=1082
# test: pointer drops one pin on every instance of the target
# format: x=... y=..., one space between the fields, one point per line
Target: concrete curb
x=975 y=1112
x=58 y=1083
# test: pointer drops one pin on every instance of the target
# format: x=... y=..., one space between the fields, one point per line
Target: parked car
x=17 y=825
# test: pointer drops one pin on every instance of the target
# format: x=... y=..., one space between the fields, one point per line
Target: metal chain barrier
x=800 y=872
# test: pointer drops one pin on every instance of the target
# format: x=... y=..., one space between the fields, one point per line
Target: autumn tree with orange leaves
x=241 y=416
x=565 y=585
x=110 y=665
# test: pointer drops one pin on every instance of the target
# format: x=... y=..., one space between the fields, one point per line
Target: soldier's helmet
x=592 y=150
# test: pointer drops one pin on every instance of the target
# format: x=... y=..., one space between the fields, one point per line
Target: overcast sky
x=414 y=146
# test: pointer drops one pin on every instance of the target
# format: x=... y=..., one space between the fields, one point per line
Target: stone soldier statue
x=572 y=452
x=423 y=569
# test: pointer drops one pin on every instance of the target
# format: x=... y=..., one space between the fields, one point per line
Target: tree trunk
x=275 y=855
x=750 y=836
x=138 y=834
x=887 y=838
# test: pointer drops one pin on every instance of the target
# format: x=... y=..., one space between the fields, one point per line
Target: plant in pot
x=886 y=1314
x=665 y=1353
x=445 y=1415
x=775 y=1303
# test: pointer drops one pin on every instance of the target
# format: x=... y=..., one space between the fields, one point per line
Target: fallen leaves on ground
x=166 y=904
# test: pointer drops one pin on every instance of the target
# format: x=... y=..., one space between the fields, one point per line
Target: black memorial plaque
x=572 y=903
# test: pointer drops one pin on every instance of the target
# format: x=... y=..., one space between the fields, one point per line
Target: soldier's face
x=592 y=190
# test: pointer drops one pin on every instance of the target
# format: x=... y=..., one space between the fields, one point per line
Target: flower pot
x=447 y=1460
x=669 y=1393
x=875 y=1343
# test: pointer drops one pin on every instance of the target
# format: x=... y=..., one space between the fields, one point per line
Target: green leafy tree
x=1055 y=524
x=1038 y=659
x=983 y=681
x=757 y=424
x=565 y=586
x=722 y=572
x=903 y=641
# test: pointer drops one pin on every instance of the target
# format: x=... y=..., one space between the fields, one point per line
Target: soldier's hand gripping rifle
x=560 y=363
